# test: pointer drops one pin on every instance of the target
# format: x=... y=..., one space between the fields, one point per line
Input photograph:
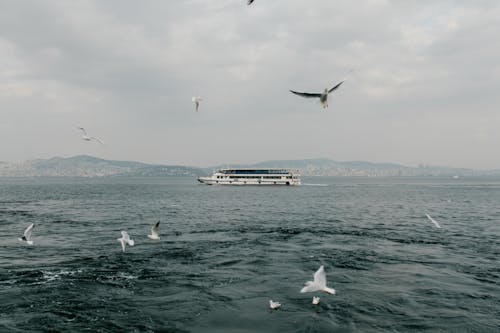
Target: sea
x=225 y=251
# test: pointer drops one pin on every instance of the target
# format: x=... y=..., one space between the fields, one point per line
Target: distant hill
x=328 y=167
x=88 y=166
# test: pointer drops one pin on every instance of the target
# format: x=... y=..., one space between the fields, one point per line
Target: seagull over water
x=154 y=231
x=274 y=305
x=433 y=221
x=319 y=283
x=86 y=137
x=125 y=240
x=27 y=235
x=196 y=100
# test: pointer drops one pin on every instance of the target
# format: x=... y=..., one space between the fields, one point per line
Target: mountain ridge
x=90 y=166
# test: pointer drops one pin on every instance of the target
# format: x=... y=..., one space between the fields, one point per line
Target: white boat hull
x=256 y=182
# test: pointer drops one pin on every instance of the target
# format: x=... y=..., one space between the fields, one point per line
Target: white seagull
x=315 y=300
x=274 y=305
x=27 y=235
x=196 y=100
x=86 y=137
x=433 y=221
x=125 y=240
x=154 y=231
x=319 y=283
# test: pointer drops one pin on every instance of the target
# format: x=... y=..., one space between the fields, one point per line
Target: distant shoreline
x=88 y=166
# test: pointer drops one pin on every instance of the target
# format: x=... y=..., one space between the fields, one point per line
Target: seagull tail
x=131 y=242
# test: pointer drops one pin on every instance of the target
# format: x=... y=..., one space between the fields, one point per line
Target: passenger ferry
x=252 y=177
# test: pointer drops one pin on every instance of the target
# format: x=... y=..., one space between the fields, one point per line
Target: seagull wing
x=122 y=241
x=320 y=277
x=250 y=2
x=28 y=231
x=338 y=85
x=433 y=221
x=310 y=287
x=83 y=130
x=306 y=95
x=154 y=229
x=97 y=139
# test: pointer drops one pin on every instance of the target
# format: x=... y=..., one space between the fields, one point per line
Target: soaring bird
x=125 y=240
x=86 y=137
x=323 y=97
x=154 y=231
x=319 y=283
x=27 y=235
x=196 y=101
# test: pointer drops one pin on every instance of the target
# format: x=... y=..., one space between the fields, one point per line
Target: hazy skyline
x=424 y=90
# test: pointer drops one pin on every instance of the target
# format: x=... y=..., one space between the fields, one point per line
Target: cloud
x=128 y=70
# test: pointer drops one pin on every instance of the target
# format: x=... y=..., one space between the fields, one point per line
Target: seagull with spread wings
x=86 y=137
x=323 y=97
x=155 y=235
x=318 y=284
x=125 y=240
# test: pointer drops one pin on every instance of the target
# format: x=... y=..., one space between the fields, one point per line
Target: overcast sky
x=426 y=89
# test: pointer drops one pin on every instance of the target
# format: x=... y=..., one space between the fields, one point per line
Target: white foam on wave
x=127 y=276
x=49 y=276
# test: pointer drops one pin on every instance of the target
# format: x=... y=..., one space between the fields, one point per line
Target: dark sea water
x=225 y=251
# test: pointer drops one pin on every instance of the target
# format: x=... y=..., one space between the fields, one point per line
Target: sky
x=424 y=89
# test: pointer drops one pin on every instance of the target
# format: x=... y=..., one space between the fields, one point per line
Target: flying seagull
x=86 y=137
x=274 y=305
x=125 y=240
x=250 y=2
x=315 y=300
x=319 y=283
x=433 y=221
x=27 y=235
x=154 y=231
x=196 y=100
x=323 y=97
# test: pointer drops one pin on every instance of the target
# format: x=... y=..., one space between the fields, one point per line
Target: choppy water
x=225 y=251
